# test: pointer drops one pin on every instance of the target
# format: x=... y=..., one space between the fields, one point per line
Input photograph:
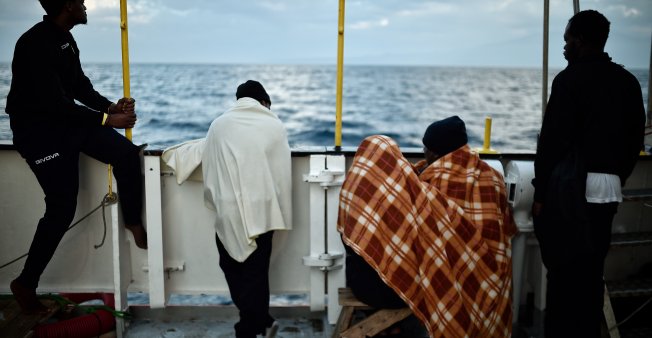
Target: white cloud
x=138 y=11
x=273 y=6
x=625 y=11
x=144 y=11
x=432 y=8
x=384 y=22
x=498 y=6
x=425 y=31
x=95 y=5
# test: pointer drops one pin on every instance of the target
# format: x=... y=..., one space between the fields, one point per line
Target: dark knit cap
x=252 y=89
x=444 y=136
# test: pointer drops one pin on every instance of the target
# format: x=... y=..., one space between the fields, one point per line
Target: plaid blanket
x=440 y=239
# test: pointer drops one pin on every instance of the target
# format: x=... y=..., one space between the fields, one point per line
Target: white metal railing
x=326 y=258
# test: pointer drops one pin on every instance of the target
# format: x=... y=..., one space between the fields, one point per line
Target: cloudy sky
x=385 y=32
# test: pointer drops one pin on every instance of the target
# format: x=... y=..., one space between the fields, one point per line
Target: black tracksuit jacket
x=596 y=104
x=48 y=78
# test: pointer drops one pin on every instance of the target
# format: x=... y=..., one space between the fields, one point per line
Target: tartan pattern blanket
x=440 y=239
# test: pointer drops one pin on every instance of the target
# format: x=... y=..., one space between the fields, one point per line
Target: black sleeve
x=42 y=89
x=635 y=124
x=556 y=134
x=86 y=94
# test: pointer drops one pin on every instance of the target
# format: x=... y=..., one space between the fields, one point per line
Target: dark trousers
x=53 y=155
x=575 y=295
x=366 y=284
x=249 y=286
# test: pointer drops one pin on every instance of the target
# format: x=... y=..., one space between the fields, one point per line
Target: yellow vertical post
x=125 y=74
x=340 y=77
x=487 y=133
x=125 y=55
x=486 y=146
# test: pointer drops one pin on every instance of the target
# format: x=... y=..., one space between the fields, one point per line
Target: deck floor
x=15 y=324
x=218 y=321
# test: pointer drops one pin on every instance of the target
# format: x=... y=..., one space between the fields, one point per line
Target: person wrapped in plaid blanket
x=437 y=233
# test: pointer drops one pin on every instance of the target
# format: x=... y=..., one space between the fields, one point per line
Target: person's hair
x=53 y=7
x=591 y=26
x=254 y=90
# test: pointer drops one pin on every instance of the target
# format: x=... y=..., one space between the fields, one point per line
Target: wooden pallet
x=15 y=324
x=370 y=326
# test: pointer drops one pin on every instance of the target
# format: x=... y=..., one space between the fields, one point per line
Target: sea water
x=177 y=102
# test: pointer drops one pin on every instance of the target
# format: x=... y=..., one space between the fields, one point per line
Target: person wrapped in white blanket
x=247 y=180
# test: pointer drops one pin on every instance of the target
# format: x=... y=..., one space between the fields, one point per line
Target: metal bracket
x=325 y=261
x=170 y=267
x=326 y=178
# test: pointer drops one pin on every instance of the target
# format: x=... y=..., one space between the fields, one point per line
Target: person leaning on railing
x=247 y=173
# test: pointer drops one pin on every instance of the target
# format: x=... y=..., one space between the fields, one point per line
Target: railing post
x=121 y=266
x=317 y=233
x=154 y=222
x=326 y=253
x=336 y=278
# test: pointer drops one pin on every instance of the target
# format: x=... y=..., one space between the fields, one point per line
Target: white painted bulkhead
x=182 y=257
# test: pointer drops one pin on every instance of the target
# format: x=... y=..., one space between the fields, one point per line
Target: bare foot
x=140 y=236
x=27 y=300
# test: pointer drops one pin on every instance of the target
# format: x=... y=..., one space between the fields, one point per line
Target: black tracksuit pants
x=575 y=293
x=52 y=153
x=249 y=286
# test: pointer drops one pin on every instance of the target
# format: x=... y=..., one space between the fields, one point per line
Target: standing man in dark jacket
x=50 y=130
x=590 y=140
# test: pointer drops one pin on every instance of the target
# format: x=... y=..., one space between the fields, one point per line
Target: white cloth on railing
x=184 y=158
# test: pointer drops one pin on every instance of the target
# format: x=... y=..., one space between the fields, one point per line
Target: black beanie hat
x=252 y=89
x=442 y=137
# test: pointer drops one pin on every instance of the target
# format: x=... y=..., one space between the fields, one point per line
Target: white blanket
x=184 y=158
x=247 y=176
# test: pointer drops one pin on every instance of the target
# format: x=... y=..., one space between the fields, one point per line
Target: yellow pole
x=125 y=55
x=487 y=133
x=125 y=73
x=110 y=181
x=486 y=146
x=340 y=76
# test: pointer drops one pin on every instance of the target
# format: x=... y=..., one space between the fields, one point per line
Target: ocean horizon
x=177 y=102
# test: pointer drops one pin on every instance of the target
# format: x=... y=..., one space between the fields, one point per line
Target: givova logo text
x=46 y=158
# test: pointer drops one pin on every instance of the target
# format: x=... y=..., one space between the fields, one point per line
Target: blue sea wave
x=177 y=102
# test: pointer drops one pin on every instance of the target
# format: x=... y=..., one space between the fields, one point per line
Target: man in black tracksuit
x=591 y=136
x=50 y=130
